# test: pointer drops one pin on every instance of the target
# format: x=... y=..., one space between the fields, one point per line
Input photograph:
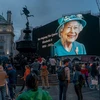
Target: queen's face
x=71 y=31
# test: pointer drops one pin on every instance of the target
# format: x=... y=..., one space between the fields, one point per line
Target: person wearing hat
x=69 y=29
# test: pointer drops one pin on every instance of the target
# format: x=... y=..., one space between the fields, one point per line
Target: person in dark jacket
x=77 y=85
x=94 y=71
x=35 y=67
x=12 y=79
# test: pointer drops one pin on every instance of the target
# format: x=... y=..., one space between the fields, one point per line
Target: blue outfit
x=63 y=86
x=75 y=77
x=77 y=86
x=2 y=90
x=12 y=76
x=59 y=50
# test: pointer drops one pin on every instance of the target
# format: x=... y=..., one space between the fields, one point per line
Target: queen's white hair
x=62 y=28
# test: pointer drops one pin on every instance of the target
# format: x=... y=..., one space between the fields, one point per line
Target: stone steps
x=52 y=80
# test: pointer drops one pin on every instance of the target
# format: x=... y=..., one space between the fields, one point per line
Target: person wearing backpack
x=64 y=79
x=78 y=81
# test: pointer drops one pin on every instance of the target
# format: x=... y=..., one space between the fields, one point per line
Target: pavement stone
x=87 y=93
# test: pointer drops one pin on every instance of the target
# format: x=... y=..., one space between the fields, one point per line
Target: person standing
x=53 y=65
x=33 y=92
x=63 y=84
x=84 y=71
x=3 y=76
x=44 y=76
x=94 y=74
x=77 y=85
x=7 y=90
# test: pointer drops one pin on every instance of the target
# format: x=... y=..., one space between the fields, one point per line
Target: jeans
x=63 y=85
x=12 y=88
x=2 y=91
x=36 y=72
x=78 y=90
x=86 y=79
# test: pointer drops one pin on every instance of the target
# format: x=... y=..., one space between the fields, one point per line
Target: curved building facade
x=6 y=35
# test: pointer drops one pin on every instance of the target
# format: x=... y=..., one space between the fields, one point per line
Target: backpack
x=61 y=73
x=81 y=80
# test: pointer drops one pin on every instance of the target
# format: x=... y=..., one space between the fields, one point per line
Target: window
x=1 y=38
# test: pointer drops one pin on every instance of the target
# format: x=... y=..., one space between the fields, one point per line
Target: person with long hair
x=77 y=85
x=33 y=92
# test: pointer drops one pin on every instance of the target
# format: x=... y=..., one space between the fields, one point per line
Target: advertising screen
x=76 y=34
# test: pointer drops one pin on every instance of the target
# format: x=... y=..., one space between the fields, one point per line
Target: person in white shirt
x=53 y=65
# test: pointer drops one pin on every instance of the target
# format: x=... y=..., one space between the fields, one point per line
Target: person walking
x=35 y=66
x=12 y=79
x=27 y=72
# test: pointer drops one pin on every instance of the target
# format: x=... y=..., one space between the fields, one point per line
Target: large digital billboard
x=76 y=34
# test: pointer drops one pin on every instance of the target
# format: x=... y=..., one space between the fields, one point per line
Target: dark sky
x=44 y=11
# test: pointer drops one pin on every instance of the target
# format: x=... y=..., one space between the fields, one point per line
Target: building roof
x=2 y=20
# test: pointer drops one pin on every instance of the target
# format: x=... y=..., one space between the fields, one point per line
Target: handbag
x=94 y=82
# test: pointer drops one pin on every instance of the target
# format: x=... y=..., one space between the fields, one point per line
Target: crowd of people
x=42 y=67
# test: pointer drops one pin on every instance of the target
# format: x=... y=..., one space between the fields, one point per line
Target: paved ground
x=87 y=93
